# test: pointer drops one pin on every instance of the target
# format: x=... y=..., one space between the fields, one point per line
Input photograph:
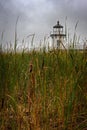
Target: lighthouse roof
x=58 y=25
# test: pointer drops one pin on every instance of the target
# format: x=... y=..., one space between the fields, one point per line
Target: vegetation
x=43 y=90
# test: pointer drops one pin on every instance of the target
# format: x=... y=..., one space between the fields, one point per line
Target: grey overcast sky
x=39 y=16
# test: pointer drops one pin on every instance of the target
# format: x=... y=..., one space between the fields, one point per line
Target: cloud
x=38 y=16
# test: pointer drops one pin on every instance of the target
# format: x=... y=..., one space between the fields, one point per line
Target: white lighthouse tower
x=57 y=36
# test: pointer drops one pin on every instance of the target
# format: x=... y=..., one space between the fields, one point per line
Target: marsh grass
x=43 y=90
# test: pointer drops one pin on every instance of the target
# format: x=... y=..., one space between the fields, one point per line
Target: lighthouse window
x=58 y=43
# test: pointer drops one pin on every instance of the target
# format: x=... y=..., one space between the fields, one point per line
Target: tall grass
x=43 y=89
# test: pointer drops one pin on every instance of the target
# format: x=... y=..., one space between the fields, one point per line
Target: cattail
x=31 y=81
x=43 y=64
x=30 y=67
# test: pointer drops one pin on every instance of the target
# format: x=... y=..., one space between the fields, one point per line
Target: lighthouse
x=57 y=36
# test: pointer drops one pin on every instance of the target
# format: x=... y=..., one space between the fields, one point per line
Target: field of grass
x=43 y=90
